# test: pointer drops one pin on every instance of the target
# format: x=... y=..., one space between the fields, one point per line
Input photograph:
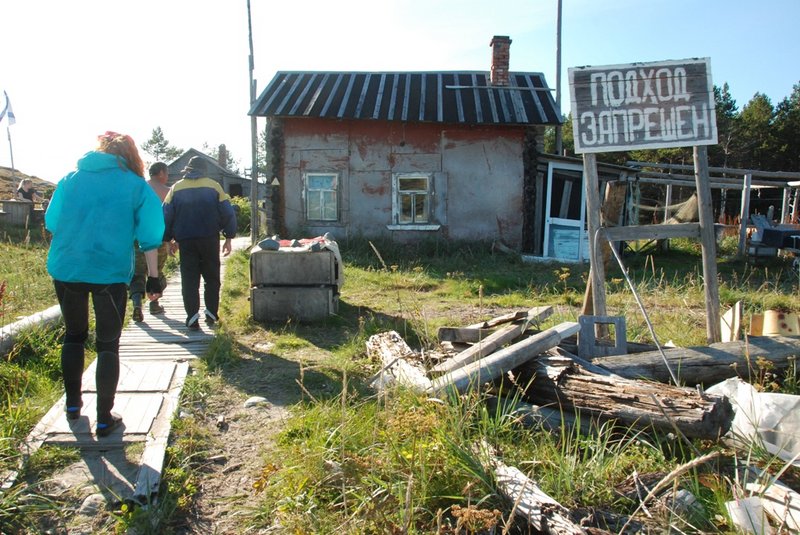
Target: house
x=408 y=155
x=233 y=184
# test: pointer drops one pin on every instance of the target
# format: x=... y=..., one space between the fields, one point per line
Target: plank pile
x=557 y=388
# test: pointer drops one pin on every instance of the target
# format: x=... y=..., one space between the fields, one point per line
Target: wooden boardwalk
x=155 y=357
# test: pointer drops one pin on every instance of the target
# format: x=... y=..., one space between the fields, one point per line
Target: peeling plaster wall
x=478 y=173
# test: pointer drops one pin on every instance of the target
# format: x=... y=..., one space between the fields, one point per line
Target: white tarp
x=764 y=419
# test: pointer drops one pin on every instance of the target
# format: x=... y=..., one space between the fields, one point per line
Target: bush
x=241 y=205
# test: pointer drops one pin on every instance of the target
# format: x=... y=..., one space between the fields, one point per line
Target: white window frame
x=308 y=193
x=397 y=204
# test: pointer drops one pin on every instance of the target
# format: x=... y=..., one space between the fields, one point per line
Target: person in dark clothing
x=25 y=191
x=196 y=209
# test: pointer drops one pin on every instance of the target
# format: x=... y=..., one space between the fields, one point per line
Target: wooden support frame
x=704 y=230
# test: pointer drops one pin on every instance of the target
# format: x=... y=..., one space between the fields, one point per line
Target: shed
x=233 y=184
x=406 y=155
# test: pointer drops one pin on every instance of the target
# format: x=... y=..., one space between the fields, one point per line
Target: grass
x=352 y=462
x=23 y=275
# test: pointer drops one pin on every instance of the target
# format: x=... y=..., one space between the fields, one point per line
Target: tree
x=787 y=132
x=159 y=147
x=725 y=153
x=757 y=136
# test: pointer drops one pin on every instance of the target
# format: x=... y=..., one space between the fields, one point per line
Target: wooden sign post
x=646 y=106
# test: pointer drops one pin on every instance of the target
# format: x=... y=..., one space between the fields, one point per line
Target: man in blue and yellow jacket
x=196 y=209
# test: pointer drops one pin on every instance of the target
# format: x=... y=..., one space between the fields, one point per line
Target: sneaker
x=137 y=314
x=211 y=318
x=193 y=323
x=73 y=413
x=105 y=429
x=156 y=308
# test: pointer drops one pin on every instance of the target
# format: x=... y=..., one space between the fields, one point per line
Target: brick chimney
x=500 y=55
x=222 y=156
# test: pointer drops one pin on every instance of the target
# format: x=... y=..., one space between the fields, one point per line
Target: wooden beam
x=708 y=242
x=744 y=215
x=651 y=232
x=724 y=170
x=598 y=273
x=495 y=365
x=492 y=342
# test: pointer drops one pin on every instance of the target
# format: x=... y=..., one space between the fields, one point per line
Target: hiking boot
x=193 y=323
x=156 y=308
x=106 y=428
x=73 y=413
x=137 y=314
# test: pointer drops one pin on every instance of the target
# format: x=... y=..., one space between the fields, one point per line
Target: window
x=413 y=193
x=322 y=200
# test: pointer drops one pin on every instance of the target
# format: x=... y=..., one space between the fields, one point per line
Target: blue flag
x=7 y=111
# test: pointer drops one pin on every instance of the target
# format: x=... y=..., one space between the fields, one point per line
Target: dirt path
x=241 y=437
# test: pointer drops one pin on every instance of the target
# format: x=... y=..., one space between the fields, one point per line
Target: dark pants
x=109 y=301
x=200 y=258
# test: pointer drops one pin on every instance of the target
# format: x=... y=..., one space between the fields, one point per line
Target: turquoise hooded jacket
x=95 y=215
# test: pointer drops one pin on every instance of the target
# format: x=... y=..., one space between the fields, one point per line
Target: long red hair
x=124 y=148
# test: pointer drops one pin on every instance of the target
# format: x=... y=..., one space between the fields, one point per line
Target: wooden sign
x=643 y=106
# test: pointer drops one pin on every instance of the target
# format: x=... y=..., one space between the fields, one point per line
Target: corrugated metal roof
x=438 y=97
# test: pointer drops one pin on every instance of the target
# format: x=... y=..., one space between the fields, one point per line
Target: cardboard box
x=299 y=303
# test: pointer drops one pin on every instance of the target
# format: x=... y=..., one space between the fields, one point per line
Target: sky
x=73 y=70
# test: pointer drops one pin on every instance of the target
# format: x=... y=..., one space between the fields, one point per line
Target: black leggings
x=109 y=301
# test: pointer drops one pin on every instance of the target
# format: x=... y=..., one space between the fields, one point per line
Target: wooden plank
x=744 y=215
x=462 y=335
x=493 y=341
x=137 y=410
x=493 y=366
x=479 y=350
x=651 y=232
x=480 y=331
x=152 y=461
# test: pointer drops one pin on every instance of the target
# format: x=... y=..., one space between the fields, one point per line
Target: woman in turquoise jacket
x=96 y=213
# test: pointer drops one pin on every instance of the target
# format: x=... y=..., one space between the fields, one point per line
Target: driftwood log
x=559 y=381
x=398 y=361
x=528 y=500
x=492 y=366
x=706 y=365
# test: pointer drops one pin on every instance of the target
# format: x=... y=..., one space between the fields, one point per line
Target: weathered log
x=527 y=499
x=397 y=360
x=706 y=365
x=494 y=365
x=641 y=404
x=10 y=333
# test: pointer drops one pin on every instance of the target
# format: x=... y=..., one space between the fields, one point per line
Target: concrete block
x=299 y=303
x=287 y=268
